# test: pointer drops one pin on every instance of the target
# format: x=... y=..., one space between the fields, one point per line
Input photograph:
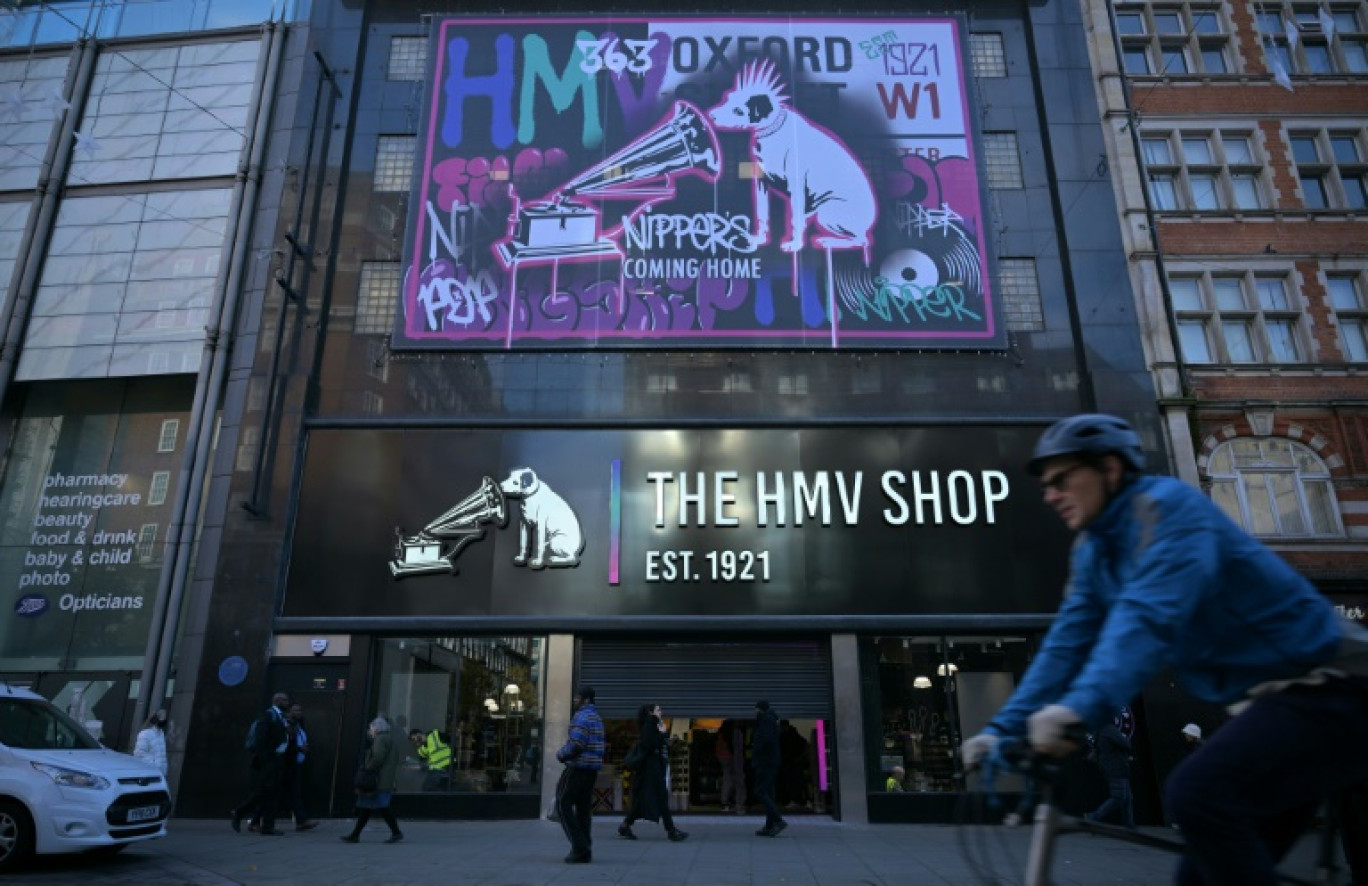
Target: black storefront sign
x=812 y=522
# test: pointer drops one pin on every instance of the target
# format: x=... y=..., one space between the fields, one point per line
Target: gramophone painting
x=690 y=183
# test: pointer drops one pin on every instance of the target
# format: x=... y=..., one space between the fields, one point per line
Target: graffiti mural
x=697 y=183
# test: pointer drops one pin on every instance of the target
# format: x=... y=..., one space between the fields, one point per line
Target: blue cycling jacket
x=1164 y=578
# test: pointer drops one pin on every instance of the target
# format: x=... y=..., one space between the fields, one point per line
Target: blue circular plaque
x=232 y=670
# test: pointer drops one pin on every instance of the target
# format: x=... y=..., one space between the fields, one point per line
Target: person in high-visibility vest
x=436 y=754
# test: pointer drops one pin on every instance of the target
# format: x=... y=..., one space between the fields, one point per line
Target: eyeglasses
x=1060 y=480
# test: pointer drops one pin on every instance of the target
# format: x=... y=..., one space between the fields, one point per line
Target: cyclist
x=1159 y=576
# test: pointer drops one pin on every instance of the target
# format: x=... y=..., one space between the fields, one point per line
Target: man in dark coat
x=765 y=758
x=1113 y=758
x=272 y=740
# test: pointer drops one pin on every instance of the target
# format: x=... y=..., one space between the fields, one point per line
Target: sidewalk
x=721 y=851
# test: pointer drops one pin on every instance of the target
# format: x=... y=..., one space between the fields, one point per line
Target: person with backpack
x=268 y=739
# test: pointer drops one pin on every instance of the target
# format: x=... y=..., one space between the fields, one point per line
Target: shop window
x=1173 y=39
x=1274 y=487
x=466 y=710
x=1350 y=303
x=1237 y=318
x=932 y=693
x=407 y=58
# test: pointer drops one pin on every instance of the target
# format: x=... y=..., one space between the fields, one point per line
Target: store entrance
x=712 y=771
x=707 y=690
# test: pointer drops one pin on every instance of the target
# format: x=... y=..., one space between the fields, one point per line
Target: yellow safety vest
x=436 y=752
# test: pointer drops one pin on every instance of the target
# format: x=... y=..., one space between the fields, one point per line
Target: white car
x=62 y=791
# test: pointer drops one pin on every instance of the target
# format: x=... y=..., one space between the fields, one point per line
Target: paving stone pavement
x=721 y=851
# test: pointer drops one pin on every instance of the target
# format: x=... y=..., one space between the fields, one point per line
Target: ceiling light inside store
x=921 y=683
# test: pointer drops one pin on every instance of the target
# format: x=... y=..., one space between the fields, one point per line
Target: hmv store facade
x=696 y=358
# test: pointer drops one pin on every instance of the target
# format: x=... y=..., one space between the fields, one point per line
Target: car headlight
x=72 y=778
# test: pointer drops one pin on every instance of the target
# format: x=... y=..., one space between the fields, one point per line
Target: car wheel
x=16 y=835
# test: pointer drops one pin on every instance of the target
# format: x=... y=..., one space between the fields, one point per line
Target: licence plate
x=144 y=813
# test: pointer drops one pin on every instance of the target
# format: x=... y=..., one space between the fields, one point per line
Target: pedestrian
x=1192 y=737
x=150 y=746
x=1026 y=807
x=1159 y=575
x=582 y=755
x=435 y=753
x=650 y=792
x=894 y=783
x=730 y=750
x=1113 y=758
x=382 y=758
x=295 y=760
x=270 y=739
x=765 y=758
x=793 y=768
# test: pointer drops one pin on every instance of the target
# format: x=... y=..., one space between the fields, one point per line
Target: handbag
x=367 y=781
x=635 y=756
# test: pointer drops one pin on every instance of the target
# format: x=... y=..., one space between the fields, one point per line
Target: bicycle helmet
x=1088 y=434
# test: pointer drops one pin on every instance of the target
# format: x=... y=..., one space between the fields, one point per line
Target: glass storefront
x=932 y=692
x=471 y=709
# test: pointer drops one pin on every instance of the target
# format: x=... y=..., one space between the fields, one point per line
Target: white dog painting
x=548 y=531
x=820 y=177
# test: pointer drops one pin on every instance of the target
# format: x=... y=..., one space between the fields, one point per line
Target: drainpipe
x=38 y=229
x=171 y=585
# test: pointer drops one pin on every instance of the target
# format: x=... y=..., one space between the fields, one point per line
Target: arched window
x=1272 y=486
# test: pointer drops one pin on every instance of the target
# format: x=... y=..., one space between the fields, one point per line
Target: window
x=1274 y=487
x=1173 y=40
x=1328 y=40
x=377 y=297
x=147 y=542
x=407 y=58
x=1348 y=297
x=156 y=490
x=1020 y=289
x=394 y=162
x=170 y=429
x=1237 y=318
x=795 y=385
x=987 y=57
x=480 y=697
x=1002 y=160
x=1202 y=171
x=1332 y=166
x=661 y=383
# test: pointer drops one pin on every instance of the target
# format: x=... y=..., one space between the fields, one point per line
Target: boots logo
x=31 y=606
x=549 y=533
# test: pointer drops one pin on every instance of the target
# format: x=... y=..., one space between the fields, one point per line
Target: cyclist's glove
x=1051 y=730
x=975 y=750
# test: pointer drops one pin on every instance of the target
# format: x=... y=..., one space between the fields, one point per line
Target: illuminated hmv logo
x=549 y=532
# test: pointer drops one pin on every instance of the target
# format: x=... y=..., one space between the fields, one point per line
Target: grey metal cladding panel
x=708 y=679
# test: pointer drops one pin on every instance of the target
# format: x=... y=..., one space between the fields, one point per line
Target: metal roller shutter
x=708 y=678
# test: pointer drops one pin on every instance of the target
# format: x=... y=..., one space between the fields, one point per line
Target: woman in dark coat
x=650 y=793
x=382 y=757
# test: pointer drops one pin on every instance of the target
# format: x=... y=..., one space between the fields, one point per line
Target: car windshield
x=35 y=725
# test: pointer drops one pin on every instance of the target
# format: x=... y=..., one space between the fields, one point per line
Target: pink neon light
x=821 y=756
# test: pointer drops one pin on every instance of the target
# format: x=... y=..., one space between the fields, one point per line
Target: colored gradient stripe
x=615 y=521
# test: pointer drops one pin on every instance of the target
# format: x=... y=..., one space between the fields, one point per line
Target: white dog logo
x=548 y=532
x=822 y=179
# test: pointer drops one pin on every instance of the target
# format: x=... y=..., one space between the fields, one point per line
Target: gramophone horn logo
x=566 y=226
x=549 y=532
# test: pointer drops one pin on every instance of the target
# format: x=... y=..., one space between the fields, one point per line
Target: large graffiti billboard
x=697 y=183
